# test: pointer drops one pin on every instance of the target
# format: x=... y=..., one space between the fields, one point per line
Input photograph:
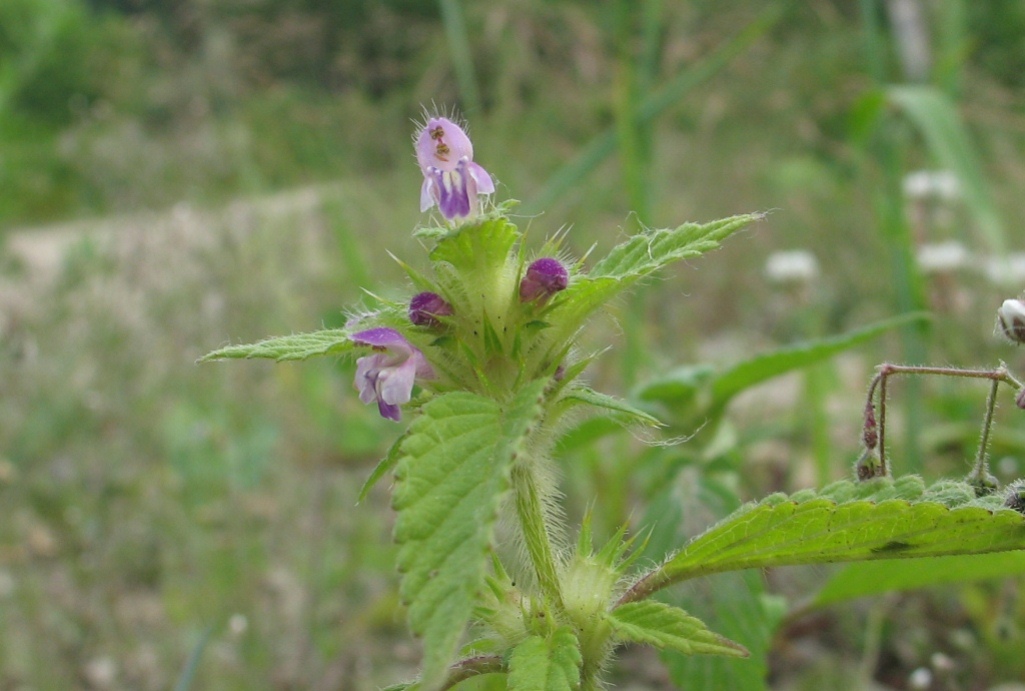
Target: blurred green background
x=180 y=174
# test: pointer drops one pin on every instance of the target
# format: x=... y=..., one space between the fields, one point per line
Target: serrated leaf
x=813 y=530
x=665 y=626
x=616 y=407
x=649 y=251
x=549 y=663
x=294 y=347
x=640 y=256
x=875 y=577
x=454 y=468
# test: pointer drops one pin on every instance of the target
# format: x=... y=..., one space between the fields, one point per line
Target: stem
x=530 y=511
x=471 y=667
x=996 y=375
x=980 y=477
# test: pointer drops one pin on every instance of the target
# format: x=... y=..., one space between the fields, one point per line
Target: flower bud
x=544 y=277
x=869 y=466
x=1015 y=497
x=1011 y=320
x=426 y=307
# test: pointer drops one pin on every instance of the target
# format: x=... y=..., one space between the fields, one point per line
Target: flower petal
x=367 y=369
x=395 y=385
x=389 y=411
x=426 y=194
x=441 y=144
x=383 y=337
x=485 y=185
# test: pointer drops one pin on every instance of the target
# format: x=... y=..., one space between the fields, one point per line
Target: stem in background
x=538 y=540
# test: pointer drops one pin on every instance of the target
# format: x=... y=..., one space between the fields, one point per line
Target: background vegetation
x=175 y=175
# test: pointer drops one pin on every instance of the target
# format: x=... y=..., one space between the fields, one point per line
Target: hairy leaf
x=665 y=626
x=846 y=523
x=294 y=347
x=640 y=256
x=549 y=663
x=454 y=468
x=617 y=408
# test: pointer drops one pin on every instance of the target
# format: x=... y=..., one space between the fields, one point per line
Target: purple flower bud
x=425 y=307
x=451 y=179
x=545 y=277
x=1011 y=320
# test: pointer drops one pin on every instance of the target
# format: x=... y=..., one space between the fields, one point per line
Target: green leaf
x=665 y=626
x=454 y=468
x=390 y=460
x=617 y=408
x=875 y=577
x=294 y=347
x=651 y=250
x=683 y=385
x=640 y=256
x=549 y=663
x=842 y=523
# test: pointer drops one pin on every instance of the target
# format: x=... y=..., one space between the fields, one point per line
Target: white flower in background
x=1008 y=270
x=943 y=257
x=932 y=184
x=792 y=266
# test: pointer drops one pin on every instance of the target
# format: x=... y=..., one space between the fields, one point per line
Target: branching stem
x=996 y=375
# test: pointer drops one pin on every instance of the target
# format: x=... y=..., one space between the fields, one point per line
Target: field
x=175 y=177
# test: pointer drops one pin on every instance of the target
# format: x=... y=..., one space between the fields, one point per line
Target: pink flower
x=388 y=375
x=451 y=179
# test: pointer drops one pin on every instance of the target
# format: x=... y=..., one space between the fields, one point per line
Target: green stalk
x=531 y=514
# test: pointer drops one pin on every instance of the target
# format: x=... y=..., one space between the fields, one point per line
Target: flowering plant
x=485 y=360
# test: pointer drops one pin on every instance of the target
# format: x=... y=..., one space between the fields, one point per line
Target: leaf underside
x=849 y=521
x=664 y=626
x=454 y=468
x=294 y=347
x=549 y=663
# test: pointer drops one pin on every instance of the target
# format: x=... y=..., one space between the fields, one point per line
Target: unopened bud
x=869 y=465
x=870 y=432
x=1015 y=497
x=425 y=308
x=1019 y=400
x=544 y=277
x=1011 y=320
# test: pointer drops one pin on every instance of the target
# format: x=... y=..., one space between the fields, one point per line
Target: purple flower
x=387 y=376
x=426 y=307
x=451 y=179
x=544 y=277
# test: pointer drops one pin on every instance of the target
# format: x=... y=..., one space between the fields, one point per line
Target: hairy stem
x=996 y=375
x=530 y=511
